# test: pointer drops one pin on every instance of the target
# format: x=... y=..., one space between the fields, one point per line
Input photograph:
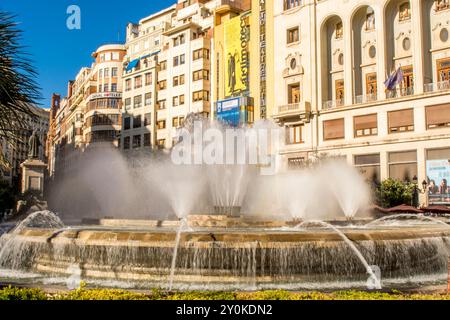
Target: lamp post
x=417 y=191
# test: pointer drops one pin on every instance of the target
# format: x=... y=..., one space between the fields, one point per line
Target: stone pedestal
x=33 y=175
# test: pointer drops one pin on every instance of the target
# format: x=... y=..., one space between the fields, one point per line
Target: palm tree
x=18 y=88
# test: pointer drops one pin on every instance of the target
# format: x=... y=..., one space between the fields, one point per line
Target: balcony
x=398 y=93
x=366 y=98
x=436 y=87
x=235 y=5
x=301 y=110
x=332 y=104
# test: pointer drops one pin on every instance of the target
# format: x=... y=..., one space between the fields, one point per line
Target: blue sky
x=57 y=52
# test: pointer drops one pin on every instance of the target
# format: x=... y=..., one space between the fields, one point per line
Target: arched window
x=370 y=19
x=405 y=11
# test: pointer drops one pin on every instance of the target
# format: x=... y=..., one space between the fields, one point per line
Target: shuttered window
x=401 y=120
x=438 y=116
x=334 y=129
x=366 y=125
x=403 y=165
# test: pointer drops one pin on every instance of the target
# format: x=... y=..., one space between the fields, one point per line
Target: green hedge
x=11 y=293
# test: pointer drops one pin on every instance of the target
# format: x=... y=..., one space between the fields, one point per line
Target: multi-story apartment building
x=168 y=73
x=331 y=64
x=91 y=112
x=15 y=151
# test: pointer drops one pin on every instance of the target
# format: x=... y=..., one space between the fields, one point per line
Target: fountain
x=219 y=226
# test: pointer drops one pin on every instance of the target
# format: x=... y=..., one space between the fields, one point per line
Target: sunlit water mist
x=104 y=182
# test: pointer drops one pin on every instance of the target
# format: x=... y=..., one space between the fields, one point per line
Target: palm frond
x=18 y=89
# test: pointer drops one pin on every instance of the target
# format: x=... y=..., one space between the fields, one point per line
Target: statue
x=33 y=146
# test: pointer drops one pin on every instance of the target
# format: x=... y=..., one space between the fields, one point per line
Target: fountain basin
x=229 y=258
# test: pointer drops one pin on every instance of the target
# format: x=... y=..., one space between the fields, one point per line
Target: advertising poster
x=233 y=58
x=438 y=173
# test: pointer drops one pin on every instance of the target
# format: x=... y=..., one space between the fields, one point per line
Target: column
x=348 y=61
x=381 y=52
x=417 y=39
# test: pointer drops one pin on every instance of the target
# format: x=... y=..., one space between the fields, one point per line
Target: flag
x=394 y=79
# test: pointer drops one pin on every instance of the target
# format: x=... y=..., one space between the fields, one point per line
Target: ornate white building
x=330 y=72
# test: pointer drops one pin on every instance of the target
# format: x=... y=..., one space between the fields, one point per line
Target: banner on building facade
x=236 y=56
x=438 y=174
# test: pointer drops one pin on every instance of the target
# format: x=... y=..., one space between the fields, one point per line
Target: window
x=105 y=87
x=137 y=101
x=200 y=74
x=175 y=101
x=102 y=57
x=179 y=60
x=340 y=91
x=175 y=122
x=200 y=54
x=289 y=4
x=404 y=11
x=181 y=99
x=402 y=165
x=137 y=123
x=162 y=85
x=443 y=69
x=148 y=99
x=100 y=88
x=370 y=19
x=294 y=93
x=339 y=30
x=148 y=79
x=163 y=65
x=114 y=72
x=126 y=123
x=147 y=140
x=365 y=125
x=369 y=166
x=161 y=104
x=161 y=143
x=294 y=134
x=407 y=85
x=202 y=95
x=147 y=119
x=126 y=143
x=113 y=87
x=127 y=103
x=442 y=5
x=136 y=141
x=115 y=56
x=181 y=121
x=293 y=35
x=334 y=129
x=179 y=40
x=128 y=85
x=106 y=73
x=178 y=80
x=438 y=116
x=401 y=121
x=100 y=73
x=138 y=82
x=371 y=86
x=161 y=124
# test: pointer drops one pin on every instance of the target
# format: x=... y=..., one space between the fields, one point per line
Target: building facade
x=332 y=63
x=15 y=152
x=91 y=111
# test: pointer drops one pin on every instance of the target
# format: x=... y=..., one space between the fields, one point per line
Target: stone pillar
x=33 y=176
x=381 y=53
x=417 y=39
x=348 y=62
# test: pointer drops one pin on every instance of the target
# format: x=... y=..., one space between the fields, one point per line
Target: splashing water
x=407 y=215
x=369 y=270
x=181 y=228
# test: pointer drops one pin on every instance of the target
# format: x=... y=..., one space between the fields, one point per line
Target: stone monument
x=33 y=168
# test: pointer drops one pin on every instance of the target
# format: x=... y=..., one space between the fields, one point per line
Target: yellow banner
x=233 y=70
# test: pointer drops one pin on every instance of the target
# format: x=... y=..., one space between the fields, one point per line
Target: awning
x=151 y=54
x=132 y=64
